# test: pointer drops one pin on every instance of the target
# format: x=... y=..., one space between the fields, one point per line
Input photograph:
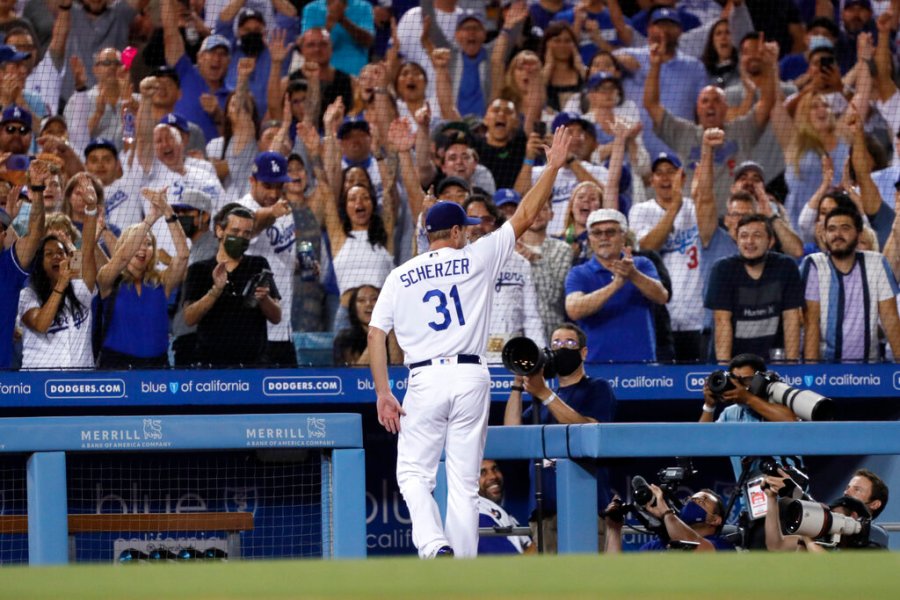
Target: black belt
x=464 y=359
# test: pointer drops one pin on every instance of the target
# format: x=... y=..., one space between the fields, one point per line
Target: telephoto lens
x=719 y=382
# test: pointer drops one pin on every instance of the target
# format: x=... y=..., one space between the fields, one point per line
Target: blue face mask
x=692 y=513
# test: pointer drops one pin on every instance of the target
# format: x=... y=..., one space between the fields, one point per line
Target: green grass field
x=757 y=576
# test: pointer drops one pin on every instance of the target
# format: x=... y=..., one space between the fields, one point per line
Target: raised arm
x=89 y=232
x=278 y=50
x=334 y=114
x=707 y=215
x=651 y=86
x=401 y=140
x=61 y=27
x=144 y=124
x=173 y=44
x=27 y=246
x=862 y=161
x=531 y=204
x=129 y=244
x=440 y=60
x=884 y=64
x=656 y=237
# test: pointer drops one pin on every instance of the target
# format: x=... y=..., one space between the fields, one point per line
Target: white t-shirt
x=67 y=343
x=277 y=245
x=563 y=185
x=439 y=303
x=681 y=255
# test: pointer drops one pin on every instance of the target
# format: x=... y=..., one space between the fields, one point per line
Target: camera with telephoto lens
x=796 y=483
x=806 y=404
x=262 y=279
x=820 y=522
x=523 y=357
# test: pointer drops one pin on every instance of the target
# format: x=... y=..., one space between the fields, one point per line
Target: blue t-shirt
x=792 y=66
x=590 y=398
x=140 y=324
x=626 y=317
x=348 y=56
x=12 y=280
x=192 y=86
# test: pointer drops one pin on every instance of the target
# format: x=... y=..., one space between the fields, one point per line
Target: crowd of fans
x=189 y=182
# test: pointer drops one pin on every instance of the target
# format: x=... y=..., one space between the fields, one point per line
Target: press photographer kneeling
x=697 y=525
x=741 y=406
x=796 y=523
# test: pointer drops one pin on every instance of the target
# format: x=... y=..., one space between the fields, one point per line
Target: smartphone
x=75 y=263
x=826 y=62
x=17 y=168
x=540 y=128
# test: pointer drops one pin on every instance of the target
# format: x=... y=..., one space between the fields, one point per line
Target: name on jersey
x=454 y=266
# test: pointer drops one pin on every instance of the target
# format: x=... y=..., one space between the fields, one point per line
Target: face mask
x=567 y=361
x=692 y=513
x=187 y=223
x=235 y=246
x=752 y=262
x=252 y=44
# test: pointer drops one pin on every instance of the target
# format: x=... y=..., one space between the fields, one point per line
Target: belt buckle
x=445 y=361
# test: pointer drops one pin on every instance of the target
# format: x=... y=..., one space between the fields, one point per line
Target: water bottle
x=307 y=258
x=127 y=126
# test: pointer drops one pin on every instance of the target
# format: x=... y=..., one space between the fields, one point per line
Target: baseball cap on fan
x=446 y=214
x=270 y=167
x=607 y=214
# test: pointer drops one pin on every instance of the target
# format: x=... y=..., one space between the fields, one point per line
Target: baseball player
x=439 y=304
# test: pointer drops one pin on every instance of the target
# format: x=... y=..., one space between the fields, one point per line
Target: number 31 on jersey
x=444 y=317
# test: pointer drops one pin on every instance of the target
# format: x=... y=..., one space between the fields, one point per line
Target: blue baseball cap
x=446 y=214
x=15 y=113
x=177 y=121
x=270 y=167
x=215 y=41
x=665 y=157
x=470 y=15
x=666 y=14
x=10 y=54
x=506 y=196
x=101 y=143
x=601 y=77
x=350 y=123
x=568 y=117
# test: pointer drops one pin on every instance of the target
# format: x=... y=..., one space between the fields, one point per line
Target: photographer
x=741 y=406
x=698 y=524
x=865 y=497
x=228 y=298
x=579 y=399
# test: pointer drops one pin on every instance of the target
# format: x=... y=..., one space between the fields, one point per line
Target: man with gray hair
x=611 y=294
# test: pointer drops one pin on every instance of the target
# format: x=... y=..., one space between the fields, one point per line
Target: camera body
x=719 y=382
x=523 y=357
x=262 y=279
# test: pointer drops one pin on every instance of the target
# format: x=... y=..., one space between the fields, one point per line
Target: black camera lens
x=719 y=382
x=640 y=490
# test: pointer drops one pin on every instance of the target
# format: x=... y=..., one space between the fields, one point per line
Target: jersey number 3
x=441 y=308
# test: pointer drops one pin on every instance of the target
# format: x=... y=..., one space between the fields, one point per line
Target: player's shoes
x=444 y=552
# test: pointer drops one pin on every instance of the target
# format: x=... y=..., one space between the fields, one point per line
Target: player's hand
x=558 y=151
x=389 y=413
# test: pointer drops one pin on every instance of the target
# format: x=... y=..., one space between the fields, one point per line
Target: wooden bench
x=232 y=523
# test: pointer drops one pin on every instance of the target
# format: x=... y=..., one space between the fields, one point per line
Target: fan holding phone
x=56 y=306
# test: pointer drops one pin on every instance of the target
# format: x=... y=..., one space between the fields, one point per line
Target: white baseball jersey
x=681 y=255
x=122 y=198
x=514 y=308
x=277 y=245
x=439 y=303
x=563 y=185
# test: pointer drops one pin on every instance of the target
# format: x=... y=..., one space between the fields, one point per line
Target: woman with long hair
x=586 y=197
x=361 y=240
x=351 y=344
x=55 y=307
x=134 y=292
x=232 y=154
x=563 y=71
x=720 y=57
